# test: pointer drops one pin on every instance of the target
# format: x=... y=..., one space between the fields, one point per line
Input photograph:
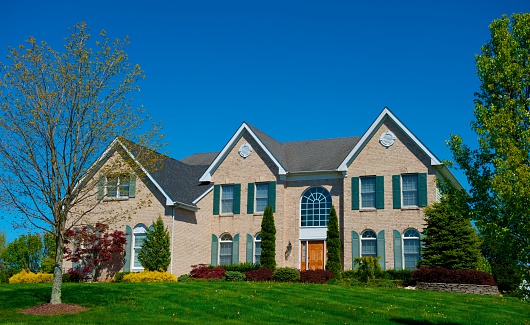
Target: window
x=117 y=186
x=225 y=249
x=262 y=196
x=369 y=243
x=137 y=240
x=410 y=190
x=257 y=249
x=227 y=199
x=368 y=192
x=411 y=248
x=315 y=206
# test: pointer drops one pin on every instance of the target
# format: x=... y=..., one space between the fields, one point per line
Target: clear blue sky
x=297 y=70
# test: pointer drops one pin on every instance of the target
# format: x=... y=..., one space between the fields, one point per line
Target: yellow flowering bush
x=149 y=276
x=25 y=276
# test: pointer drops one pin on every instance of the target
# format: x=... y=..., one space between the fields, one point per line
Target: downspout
x=172 y=235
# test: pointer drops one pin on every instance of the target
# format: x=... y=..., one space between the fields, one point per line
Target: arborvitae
x=268 y=240
x=155 y=254
x=333 y=244
x=450 y=241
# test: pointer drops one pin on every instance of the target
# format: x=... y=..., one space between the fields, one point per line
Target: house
x=212 y=203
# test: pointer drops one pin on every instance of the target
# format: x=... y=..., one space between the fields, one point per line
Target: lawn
x=257 y=303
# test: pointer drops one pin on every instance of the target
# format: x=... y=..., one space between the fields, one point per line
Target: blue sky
x=297 y=70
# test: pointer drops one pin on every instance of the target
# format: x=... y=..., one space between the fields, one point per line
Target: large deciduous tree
x=155 y=254
x=59 y=111
x=499 y=170
x=24 y=253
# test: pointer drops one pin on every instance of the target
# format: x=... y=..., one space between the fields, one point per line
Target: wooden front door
x=313 y=255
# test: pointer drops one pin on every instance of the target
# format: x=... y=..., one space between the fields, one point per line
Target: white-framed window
x=117 y=186
x=369 y=243
x=411 y=249
x=227 y=199
x=409 y=190
x=137 y=241
x=257 y=248
x=314 y=207
x=368 y=192
x=262 y=196
x=225 y=249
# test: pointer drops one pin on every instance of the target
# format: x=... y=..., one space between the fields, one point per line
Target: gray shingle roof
x=200 y=158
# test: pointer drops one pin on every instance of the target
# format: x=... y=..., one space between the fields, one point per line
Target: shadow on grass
x=408 y=321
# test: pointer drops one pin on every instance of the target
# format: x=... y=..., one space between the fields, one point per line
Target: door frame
x=304 y=264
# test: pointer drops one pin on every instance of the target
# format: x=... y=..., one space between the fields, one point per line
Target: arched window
x=257 y=248
x=315 y=206
x=137 y=240
x=225 y=249
x=369 y=243
x=411 y=248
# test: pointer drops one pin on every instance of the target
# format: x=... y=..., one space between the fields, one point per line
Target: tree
x=24 y=253
x=59 y=111
x=91 y=247
x=499 y=170
x=450 y=241
x=333 y=244
x=155 y=254
x=268 y=239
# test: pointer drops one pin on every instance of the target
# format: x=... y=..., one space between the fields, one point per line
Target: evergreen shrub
x=234 y=276
x=118 y=277
x=241 y=267
x=149 y=276
x=316 y=276
x=286 y=274
x=261 y=274
x=184 y=278
x=405 y=276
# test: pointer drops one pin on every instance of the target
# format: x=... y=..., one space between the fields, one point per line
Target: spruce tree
x=450 y=241
x=155 y=254
x=268 y=240
x=333 y=244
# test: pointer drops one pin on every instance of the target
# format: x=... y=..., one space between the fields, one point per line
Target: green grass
x=257 y=303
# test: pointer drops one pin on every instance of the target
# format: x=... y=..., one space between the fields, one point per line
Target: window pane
x=369 y=247
x=315 y=212
x=112 y=186
x=410 y=190
x=124 y=186
x=138 y=241
x=225 y=253
x=257 y=251
x=262 y=197
x=227 y=199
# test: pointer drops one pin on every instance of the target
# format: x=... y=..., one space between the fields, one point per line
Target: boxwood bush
x=241 y=267
x=286 y=274
x=234 y=276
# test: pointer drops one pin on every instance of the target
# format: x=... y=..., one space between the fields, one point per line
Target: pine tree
x=268 y=240
x=333 y=244
x=155 y=254
x=450 y=241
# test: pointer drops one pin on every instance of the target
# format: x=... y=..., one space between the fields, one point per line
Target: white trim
x=386 y=113
x=207 y=176
x=202 y=195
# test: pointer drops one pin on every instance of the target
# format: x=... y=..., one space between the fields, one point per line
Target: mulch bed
x=57 y=309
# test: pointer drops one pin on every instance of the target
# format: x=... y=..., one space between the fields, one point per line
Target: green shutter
x=272 y=195
x=128 y=251
x=422 y=189
x=355 y=250
x=235 y=250
x=379 y=192
x=216 y=194
x=101 y=187
x=355 y=193
x=396 y=191
x=250 y=198
x=381 y=250
x=398 y=252
x=132 y=185
x=237 y=198
x=215 y=250
x=250 y=250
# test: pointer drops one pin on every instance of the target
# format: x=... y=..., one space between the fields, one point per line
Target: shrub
x=405 y=276
x=149 y=276
x=369 y=268
x=118 y=277
x=184 y=278
x=155 y=254
x=268 y=239
x=261 y=274
x=286 y=274
x=349 y=274
x=241 y=267
x=204 y=271
x=437 y=275
x=316 y=276
x=234 y=276
x=333 y=244
x=25 y=276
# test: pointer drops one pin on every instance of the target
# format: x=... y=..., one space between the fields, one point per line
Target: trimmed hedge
x=234 y=276
x=241 y=267
x=149 y=276
x=286 y=274
x=30 y=277
x=316 y=276
x=261 y=274
x=437 y=275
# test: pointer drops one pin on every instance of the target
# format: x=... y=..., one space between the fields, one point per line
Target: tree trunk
x=58 y=269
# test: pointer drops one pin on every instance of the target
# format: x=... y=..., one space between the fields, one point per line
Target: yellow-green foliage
x=149 y=276
x=30 y=277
